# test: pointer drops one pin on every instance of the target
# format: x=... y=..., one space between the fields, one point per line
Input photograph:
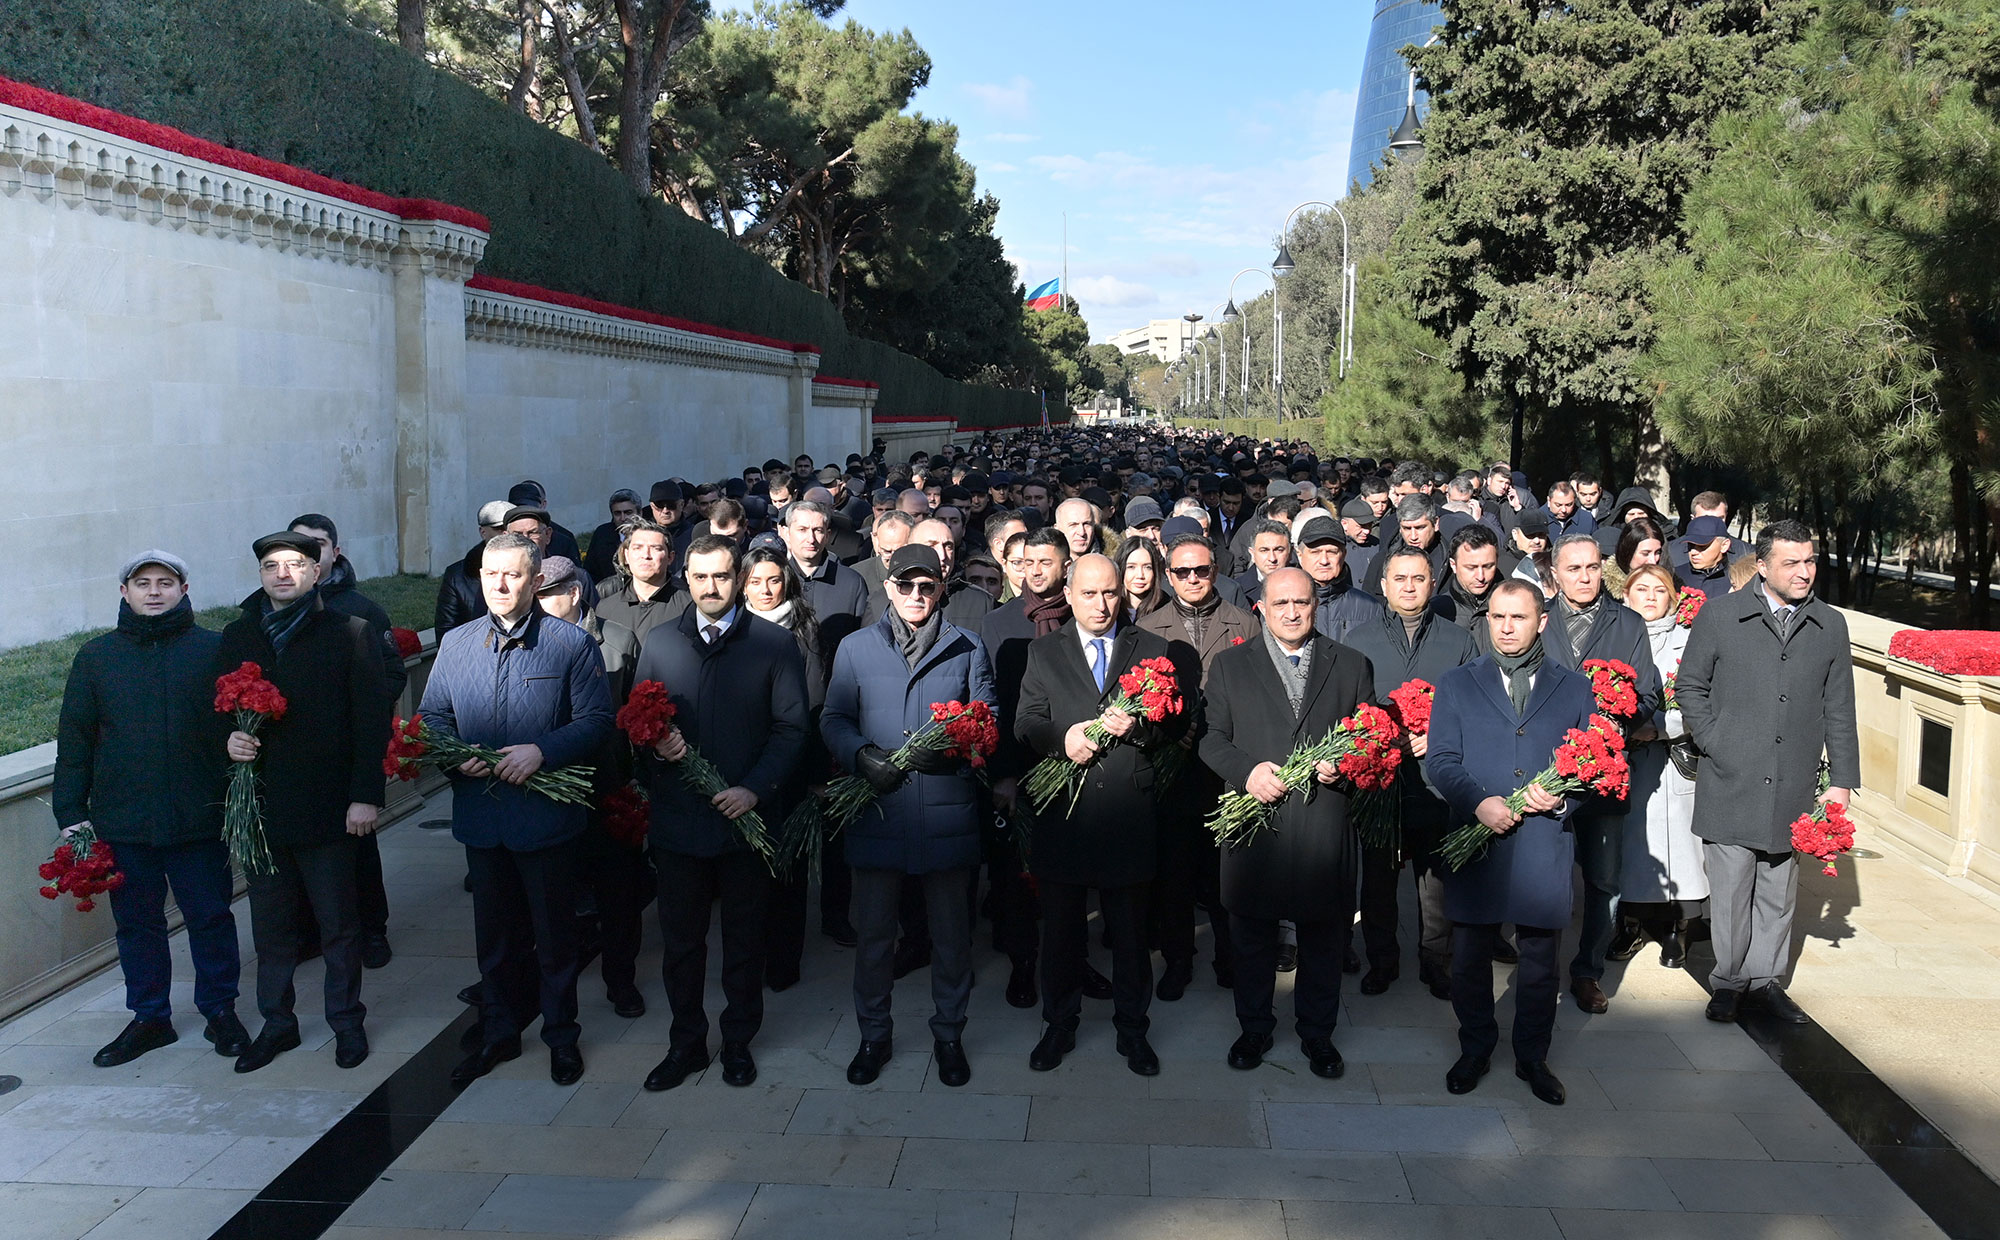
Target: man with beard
x=1107 y=838
x=1474 y=562
x=1338 y=604
x=1264 y=699
x=1587 y=623
x=1416 y=530
x=1409 y=643
x=1198 y=626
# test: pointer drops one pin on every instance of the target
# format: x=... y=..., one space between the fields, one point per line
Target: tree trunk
x=410 y=25
x=1961 y=524
x=529 y=16
x=1516 y=435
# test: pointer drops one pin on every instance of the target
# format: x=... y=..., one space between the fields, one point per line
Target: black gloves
x=935 y=762
x=882 y=775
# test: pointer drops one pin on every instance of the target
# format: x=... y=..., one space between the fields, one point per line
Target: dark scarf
x=915 y=643
x=281 y=624
x=1577 y=621
x=1520 y=670
x=1335 y=588
x=339 y=577
x=1196 y=619
x=1047 y=614
x=149 y=630
x=1470 y=605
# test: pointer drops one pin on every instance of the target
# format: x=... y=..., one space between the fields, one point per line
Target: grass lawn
x=31 y=677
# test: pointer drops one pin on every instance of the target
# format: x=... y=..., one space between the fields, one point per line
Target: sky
x=1176 y=136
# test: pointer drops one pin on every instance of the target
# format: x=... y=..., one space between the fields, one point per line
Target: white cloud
x=1112 y=291
x=1008 y=99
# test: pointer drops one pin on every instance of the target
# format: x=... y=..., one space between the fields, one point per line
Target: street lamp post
x=1282 y=266
x=1231 y=315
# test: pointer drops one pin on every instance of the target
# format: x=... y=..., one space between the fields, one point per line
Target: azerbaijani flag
x=1045 y=296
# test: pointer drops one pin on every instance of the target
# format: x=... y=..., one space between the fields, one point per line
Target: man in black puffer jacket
x=320 y=776
x=136 y=762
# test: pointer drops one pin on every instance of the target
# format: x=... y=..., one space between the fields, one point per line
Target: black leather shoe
x=1048 y=1053
x=137 y=1038
x=1777 y=1003
x=910 y=958
x=1463 y=1077
x=841 y=932
x=1674 y=948
x=1625 y=944
x=738 y=1068
x=484 y=1060
x=565 y=1065
x=227 y=1033
x=1350 y=963
x=1288 y=957
x=350 y=1048
x=952 y=1069
x=627 y=1002
x=1174 y=980
x=1021 y=989
x=1542 y=1081
x=1504 y=951
x=469 y=995
x=1378 y=980
x=1249 y=1050
x=1323 y=1058
x=678 y=1066
x=778 y=981
x=1139 y=1055
x=473 y=1038
x=1095 y=984
x=270 y=1044
x=1589 y=996
x=375 y=951
x=868 y=1062
x=1722 y=1005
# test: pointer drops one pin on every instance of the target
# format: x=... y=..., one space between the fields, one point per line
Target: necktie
x=711 y=631
x=1097 y=662
x=1785 y=615
x=1295 y=661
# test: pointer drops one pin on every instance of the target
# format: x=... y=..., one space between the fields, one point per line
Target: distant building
x=1385 y=81
x=1165 y=339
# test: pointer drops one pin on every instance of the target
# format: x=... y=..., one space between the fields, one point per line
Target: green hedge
x=290 y=81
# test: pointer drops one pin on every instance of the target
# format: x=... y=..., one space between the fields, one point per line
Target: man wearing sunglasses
x=1198 y=626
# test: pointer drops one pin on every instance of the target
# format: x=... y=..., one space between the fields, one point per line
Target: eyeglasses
x=926 y=588
x=1196 y=572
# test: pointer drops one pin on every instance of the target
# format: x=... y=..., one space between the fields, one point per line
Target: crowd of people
x=804 y=619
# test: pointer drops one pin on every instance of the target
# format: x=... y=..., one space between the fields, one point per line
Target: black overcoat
x=1393 y=662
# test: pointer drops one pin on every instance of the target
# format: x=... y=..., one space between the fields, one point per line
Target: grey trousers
x=1751 y=898
x=876 y=900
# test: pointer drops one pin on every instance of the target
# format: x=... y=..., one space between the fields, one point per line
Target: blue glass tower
x=1385 y=79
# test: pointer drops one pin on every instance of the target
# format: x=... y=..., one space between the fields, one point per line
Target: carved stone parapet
x=525 y=322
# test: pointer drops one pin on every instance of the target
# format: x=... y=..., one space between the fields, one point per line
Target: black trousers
x=524 y=926
x=1381 y=873
x=1315 y=987
x=689 y=888
x=1537 y=986
x=1189 y=881
x=878 y=899
x=1015 y=906
x=371 y=899
x=621 y=882
x=1066 y=950
x=316 y=881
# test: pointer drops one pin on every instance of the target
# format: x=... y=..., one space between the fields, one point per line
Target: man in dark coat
x=320 y=776
x=1416 y=530
x=1473 y=568
x=1198 y=626
x=1265 y=699
x=739 y=692
x=459 y=599
x=1107 y=839
x=965 y=604
x=1564 y=513
x=925 y=822
x=1701 y=558
x=1410 y=642
x=599 y=559
x=1338 y=604
x=1586 y=623
x=337 y=589
x=837 y=594
x=1631 y=502
x=136 y=763
x=532 y=688
x=1494 y=724
x=1766 y=686
x=644 y=596
x=531 y=494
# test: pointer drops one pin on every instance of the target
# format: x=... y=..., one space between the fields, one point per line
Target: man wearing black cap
x=531 y=494
x=320 y=773
x=1339 y=604
x=136 y=763
x=1525 y=553
x=1702 y=558
x=666 y=504
x=1358 y=520
x=458 y=599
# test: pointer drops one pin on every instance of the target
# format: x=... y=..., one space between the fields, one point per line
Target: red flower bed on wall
x=1955 y=652
x=62 y=107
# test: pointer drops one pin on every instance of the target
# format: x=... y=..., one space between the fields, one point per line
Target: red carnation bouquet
x=1149 y=692
x=1378 y=812
x=1616 y=687
x=1826 y=832
x=1365 y=747
x=965 y=730
x=1669 y=693
x=647 y=717
x=626 y=814
x=1689 y=606
x=81 y=866
x=408 y=644
x=414 y=745
x=252 y=699
x=1590 y=759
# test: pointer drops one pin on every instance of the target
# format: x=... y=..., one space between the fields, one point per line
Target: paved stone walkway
x=1675 y=1126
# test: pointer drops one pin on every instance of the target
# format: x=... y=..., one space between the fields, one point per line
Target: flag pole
x=1065 y=263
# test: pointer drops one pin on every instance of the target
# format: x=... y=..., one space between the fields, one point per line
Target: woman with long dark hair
x=1145 y=572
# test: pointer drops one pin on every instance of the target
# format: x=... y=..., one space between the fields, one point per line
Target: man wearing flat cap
x=1702 y=557
x=320 y=776
x=136 y=763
